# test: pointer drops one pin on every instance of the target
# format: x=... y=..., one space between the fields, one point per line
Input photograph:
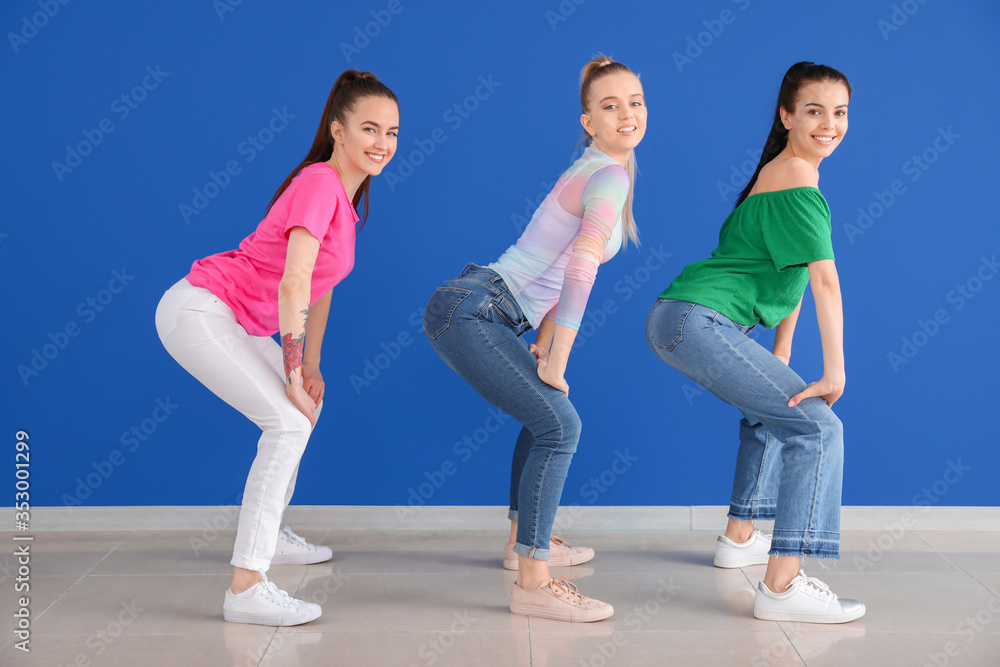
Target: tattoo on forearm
x=292 y=350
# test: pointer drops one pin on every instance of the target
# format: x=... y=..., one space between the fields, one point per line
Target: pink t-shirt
x=247 y=278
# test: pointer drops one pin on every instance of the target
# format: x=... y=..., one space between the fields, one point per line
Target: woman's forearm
x=316 y=328
x=829 y=315
x=784 y=332
x=562 y=344
x=293 y=300
x=293 y=317
x=546 y=331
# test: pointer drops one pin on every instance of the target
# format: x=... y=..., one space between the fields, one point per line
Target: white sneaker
x=265 y=604
x=805 y=600
x=752 y=552
x=294 y=550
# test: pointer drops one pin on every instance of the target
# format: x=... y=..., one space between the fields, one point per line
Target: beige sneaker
x=561 y=554
x=559 y=600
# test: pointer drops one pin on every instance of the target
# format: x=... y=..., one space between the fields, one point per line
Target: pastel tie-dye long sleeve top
x=577 y=227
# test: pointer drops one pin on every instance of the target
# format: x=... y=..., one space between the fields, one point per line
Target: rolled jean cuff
x=255 y=564
x=512 y=515
x=763 y=509
x=530 y=552
x=813 y=544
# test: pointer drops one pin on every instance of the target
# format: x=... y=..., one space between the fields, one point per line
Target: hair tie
x=605 y=63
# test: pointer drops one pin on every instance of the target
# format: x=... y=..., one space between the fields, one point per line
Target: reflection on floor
x=440 y=598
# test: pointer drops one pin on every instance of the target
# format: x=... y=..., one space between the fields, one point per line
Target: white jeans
x=201 y=333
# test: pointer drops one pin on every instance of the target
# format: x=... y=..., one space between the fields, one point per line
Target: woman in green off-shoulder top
x=789 y=467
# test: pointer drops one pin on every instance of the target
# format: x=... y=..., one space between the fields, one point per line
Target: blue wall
x=156 y=98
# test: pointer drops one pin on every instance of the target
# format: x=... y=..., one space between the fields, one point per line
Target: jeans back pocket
x=440 y=308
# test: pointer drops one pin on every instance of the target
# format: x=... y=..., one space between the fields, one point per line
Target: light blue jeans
x=790 y=463
x=475 y=324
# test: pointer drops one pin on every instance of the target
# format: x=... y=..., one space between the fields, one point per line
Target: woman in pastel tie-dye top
x=476 y=322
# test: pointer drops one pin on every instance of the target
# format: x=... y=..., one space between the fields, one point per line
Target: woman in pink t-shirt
x=217 y=322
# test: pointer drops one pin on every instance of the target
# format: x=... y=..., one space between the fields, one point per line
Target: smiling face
x=616 y=114
x=367 y=140
x=819 y=121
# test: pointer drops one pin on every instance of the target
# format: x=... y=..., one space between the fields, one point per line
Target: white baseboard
x=380 y=517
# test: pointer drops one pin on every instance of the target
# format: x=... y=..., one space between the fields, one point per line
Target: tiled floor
x=440 y=598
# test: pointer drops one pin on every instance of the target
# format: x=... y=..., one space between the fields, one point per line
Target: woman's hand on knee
x=312 y=382
x=300 y=398
x=830 y=389
x=552 y=376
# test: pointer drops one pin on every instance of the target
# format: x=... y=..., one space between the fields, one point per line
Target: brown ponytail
x=349 y=87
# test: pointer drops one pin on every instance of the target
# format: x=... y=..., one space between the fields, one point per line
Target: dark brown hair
x=797 y=76
x=349 y=87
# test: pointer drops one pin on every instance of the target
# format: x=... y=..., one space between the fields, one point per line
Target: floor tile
x=961 y=541
x=213 y=649
x=135 y=605
x=889 y=649
x=441 y=598
x=622 y=647
x=410 y=603
x=453 y=646
x=68 y=554
x=976 y=562
x=170 y=552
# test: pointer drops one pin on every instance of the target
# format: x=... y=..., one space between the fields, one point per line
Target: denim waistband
x=499 y=294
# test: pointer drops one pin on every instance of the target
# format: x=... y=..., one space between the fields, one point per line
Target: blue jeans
x=790 y=463
x=475 y=325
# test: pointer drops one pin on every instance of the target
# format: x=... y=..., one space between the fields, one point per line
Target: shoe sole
x=299 y=559
x=740 y=562
x=580 y=559
x=795 y=617
x=260 y=619
x=545 y=612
